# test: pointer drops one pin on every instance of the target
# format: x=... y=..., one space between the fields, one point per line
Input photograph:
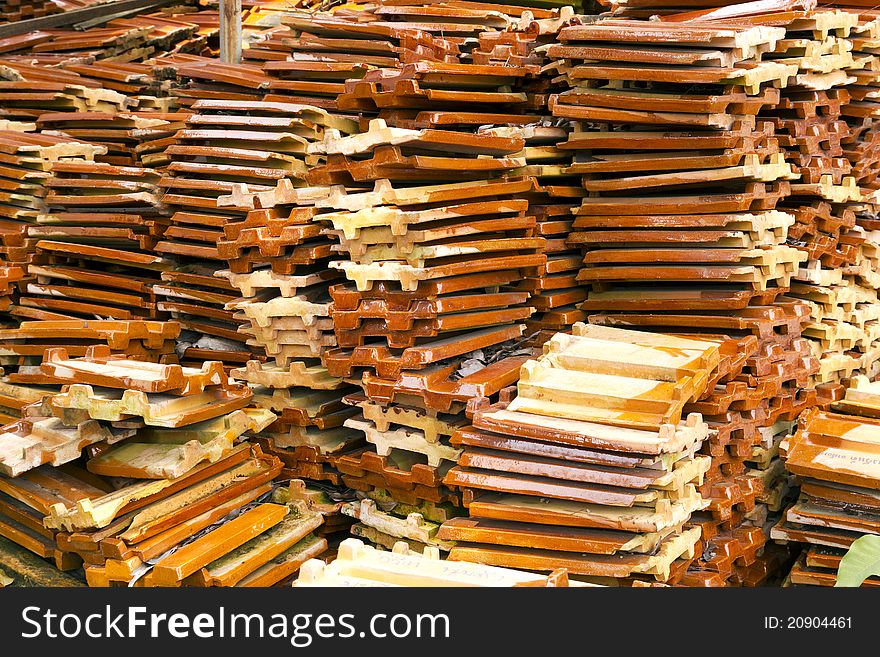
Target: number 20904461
x=808 y=622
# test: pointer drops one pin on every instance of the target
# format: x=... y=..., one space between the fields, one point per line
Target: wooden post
x=230 y=31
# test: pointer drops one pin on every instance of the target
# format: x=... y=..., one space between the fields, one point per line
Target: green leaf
x=860 y=562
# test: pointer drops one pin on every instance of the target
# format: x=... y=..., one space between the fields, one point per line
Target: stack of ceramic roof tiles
x=204 y=43
x=860 y=148
x=441 y=87
x=27 y=158
x=764 y=383
x=29 y=89
x=502 y=35
x=30 y=58
x=411 y=242
x=394 y=36
x=862 y=115
x=738 y=167
x=130 y=138
x=261 y=540
x=592 y=466
x=460 y=33
x=310 y=56
x=290 y=326
x=407 y=342
x=712 y=262
x=504 y=32
x=162 y=30
x=179 y=396
x=206 y=78
x=357 y=564
x=228 y=143
x=423 y=259
x=554 y=292
x=151 y=439
x=425 y=109
x=831 y=49
x=810 y=126
x=844 y=309
x=165 y=31
x=126 y=39
x=863 y=141
x=825 y=124
x=121 y=42
x=749 y=410
x=94 y=254
x=23 y=346
x=508 y=34
x=278 y=260
x=834 y=455
x=288 y=315
x=746 y=489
